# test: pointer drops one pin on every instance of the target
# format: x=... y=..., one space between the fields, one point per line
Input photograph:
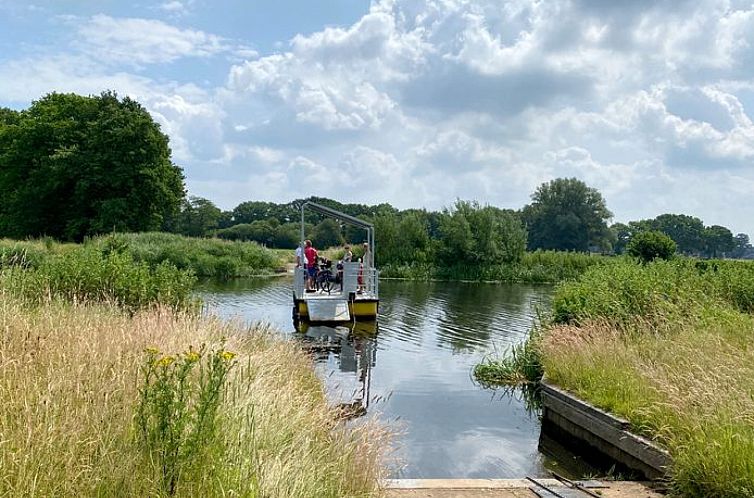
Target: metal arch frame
x=347 y=218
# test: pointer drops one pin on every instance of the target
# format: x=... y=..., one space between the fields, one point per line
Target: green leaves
x=566 y=214
x=73 y=166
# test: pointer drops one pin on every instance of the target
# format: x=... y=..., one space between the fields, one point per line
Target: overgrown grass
x=83 y=274
x=534 y=267
x=204 y=257
x=669 y=346
x=69 y=391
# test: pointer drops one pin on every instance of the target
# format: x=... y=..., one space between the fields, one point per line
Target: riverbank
x=668 y=346
x=206 y=258
x=538 y=267
x=72 y=379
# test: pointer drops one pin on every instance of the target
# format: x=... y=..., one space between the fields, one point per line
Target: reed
x=204 y=257
x=69 y=392
x=87 y=275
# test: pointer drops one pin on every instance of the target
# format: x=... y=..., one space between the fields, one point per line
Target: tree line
x=73 y=167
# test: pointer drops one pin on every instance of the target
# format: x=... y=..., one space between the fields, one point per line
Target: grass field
x=71 y=378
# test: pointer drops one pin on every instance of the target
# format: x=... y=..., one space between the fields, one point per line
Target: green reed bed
x=204 y=257
x=670 y=347
x=534 y=267
x=87 y=275
x=96 y=402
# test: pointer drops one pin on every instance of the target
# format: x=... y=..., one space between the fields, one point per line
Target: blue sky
x=420 y=102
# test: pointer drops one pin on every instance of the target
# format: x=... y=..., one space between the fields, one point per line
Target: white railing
x=356 y=279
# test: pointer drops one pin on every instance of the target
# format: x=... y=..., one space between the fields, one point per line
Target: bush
x=648 y=246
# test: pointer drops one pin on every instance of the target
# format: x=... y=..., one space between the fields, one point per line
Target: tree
x=648 y=246
x=742 y=247
x=566 y=214
x=472 y=234
x=327 y=234
x=622 y=235
x=197 y=217
x=72 y=166
x=718 y=240
x=686 y=231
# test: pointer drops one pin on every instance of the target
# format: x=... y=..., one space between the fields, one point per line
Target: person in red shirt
x=310 y=254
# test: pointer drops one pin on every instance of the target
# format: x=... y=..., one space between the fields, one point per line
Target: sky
x=419 y=102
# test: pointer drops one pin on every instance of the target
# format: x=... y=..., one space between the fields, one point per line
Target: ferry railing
x=356 y=280
x=299 y=283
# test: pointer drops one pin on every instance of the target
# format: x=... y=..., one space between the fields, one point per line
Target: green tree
x=473 y=234
x=718 y=241
x=327 y=234
x=621 y=235
x=72 y=166
x=566 y=214
x=742 y=246
x=687 y=231
x=198 y=216
x=648 y=246
x=402 y=238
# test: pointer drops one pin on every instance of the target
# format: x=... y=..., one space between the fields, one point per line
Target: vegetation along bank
x=666 y=345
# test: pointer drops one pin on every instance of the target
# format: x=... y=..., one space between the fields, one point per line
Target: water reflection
x=353 y=349
x=414 y=368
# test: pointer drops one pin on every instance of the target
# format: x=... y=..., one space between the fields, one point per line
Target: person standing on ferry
x=310 y=253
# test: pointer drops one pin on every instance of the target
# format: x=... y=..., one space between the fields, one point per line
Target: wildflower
x=165 y=361
x=192 y=356
x=152 y=350
x=227 y=355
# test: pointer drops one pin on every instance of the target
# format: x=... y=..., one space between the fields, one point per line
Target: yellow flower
x=165 y=361
x=152 y=350
x=227 y=355
x=192 y=356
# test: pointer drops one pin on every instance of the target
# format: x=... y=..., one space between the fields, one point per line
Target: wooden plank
x=637 y=447
x=566 y=397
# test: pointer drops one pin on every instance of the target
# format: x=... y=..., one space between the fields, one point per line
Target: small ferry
x=341 y=291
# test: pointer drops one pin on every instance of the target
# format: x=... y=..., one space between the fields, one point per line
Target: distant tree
x=566 y=214
x=742 y=246
x=622 y=235
x=686 y=231
x=473 y=234
x=327 y=234
x=648 y=246
x=250 y=211
x=258 y=231
x=72 y=166
x=718 y=241
x=197 y=217
x=287 y=236
x=403 y=238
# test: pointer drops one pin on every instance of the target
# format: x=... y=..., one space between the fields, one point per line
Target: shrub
x=648 y=246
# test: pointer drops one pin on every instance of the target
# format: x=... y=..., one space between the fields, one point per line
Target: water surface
x=412 y=369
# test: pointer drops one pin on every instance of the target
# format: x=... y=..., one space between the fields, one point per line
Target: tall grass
x=87 y=275
x=204 y=257
x=534 y=267
x=69 y=391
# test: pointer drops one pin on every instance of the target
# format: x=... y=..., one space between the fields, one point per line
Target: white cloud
x=422 y=101
x=144 y=41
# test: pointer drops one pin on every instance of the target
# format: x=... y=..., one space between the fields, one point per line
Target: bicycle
x=324 y=279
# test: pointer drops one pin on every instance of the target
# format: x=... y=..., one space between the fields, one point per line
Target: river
x=412 y=369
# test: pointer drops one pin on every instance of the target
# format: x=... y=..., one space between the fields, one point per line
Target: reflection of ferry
x=355 y=346
x=355 y=295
